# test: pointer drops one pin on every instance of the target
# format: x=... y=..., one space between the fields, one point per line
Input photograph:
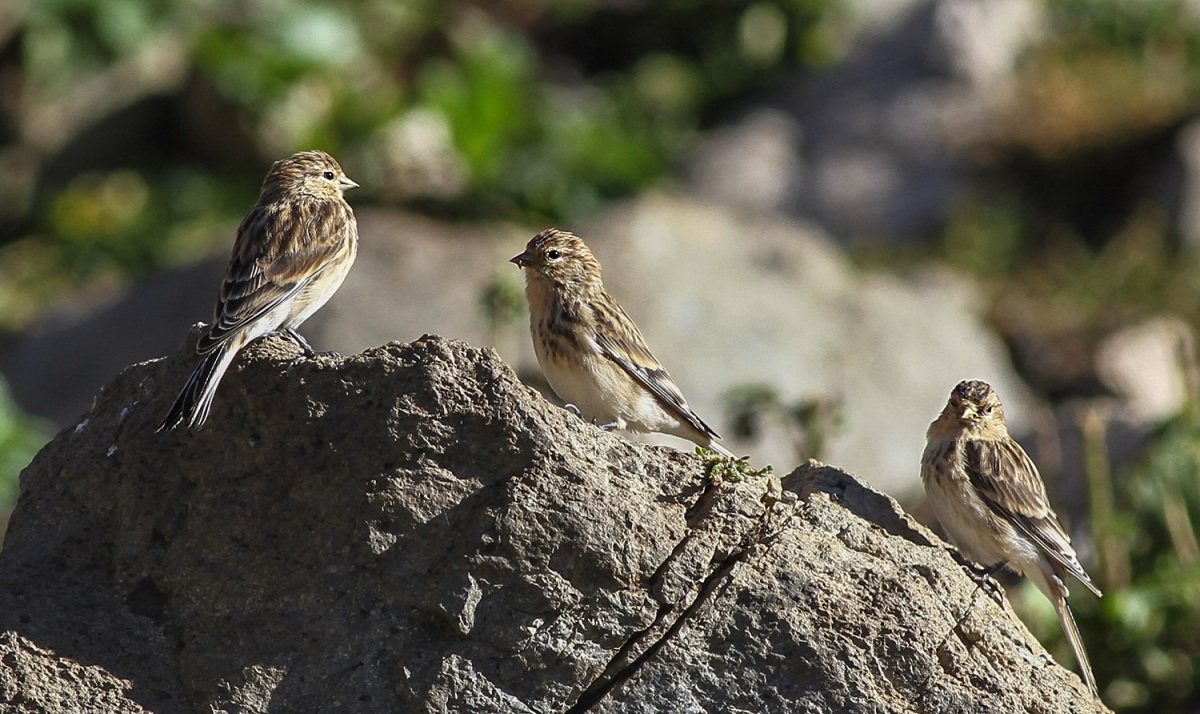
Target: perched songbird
x=591 y=352
x=987 y=494
x=291 y=253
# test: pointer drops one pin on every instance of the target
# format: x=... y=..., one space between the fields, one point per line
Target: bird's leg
x=309 y=352
x=575 y=410
x=982 y=575
x=299 y=339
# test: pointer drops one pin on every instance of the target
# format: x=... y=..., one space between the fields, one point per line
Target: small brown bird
x=291 y=253
x=988 y=495
x=591 y=351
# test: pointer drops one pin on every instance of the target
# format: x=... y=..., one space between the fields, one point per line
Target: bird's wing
x=268 y=267
x=1008 y=482
x=618 y=338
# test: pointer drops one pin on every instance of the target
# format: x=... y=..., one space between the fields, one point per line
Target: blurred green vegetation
x=1144 y=634
x=20 y=438
x=1107 y=72
x=1069 y=245
x=1150 y=627
x=529 y=109
x=1069 y=231
x=114 y=226
x=1065 y=285
x=809 y=424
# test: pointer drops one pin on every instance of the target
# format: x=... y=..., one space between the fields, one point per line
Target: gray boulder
x=412 y=529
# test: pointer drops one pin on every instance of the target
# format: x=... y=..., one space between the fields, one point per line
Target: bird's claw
x=575 y=410
x=309 y=352
x=982 y=575
x=292 y=364
x=983 y=578
x=315 y=355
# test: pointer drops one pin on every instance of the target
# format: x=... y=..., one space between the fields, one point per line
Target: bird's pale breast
x=968 y=521
x=322 y=287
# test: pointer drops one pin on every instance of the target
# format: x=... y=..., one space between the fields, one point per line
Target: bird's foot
x=982 y=575
x=983 y=578
x=575 y=410
x=309 y=352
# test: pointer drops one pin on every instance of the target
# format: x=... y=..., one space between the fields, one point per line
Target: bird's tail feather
x=1071 y=630
x=1087 y=581
x=195 y=399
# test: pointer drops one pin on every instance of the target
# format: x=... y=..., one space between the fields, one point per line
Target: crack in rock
x=623 y=667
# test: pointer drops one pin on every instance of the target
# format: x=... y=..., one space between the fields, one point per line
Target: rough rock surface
x=412 y=529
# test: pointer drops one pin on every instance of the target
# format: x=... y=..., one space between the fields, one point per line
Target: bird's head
x=975 y=405
x=559 y=257
x=310 y=173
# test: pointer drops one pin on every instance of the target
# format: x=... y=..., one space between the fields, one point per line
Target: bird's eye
x=554 y=254
x=328 y=175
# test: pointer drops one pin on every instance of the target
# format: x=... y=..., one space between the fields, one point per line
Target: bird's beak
x=346 y=183
x=521 y=260
x=968 y=412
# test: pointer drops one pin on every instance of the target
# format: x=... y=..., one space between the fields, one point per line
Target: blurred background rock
x=822 y=214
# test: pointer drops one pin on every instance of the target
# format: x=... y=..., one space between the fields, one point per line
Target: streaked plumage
x=291 y=253
x=988 y=495
x=590 y=350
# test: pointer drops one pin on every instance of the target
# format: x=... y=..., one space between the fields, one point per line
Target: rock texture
x=412 y=529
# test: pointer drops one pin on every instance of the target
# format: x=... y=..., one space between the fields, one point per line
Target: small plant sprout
x=724 y=469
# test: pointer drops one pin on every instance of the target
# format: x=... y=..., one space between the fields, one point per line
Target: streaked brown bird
x=291 y=253
x=988 y=495
x=590 y=350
